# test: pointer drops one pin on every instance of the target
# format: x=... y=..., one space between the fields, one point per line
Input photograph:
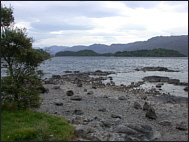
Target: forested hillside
x=138 y=53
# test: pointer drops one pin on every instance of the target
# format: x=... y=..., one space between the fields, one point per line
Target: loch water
x=124 y=68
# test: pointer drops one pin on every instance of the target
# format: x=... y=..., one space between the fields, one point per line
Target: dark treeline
x=138 y=53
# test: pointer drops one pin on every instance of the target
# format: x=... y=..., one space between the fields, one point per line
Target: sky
x=71 y=23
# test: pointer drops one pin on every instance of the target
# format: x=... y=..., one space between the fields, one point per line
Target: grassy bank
x=29 y=126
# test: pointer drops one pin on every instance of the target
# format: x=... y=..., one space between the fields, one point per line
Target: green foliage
x=138 y=53
x=150 y=53
x=20 y=85
x=29 y=126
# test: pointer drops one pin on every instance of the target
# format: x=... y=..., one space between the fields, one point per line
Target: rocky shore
x=107 y=112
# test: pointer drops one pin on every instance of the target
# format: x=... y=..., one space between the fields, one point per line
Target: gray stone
x=85 y=90
x=56 y=76
x=90 y=93
x=58 y=103
x=165 y=123
x=76 y=98
x=151 y=113
x=137 y=132
x=173 y=81
x=144 y=97
x=70 y=93
x=146 y=106
x=121 y=98
x=56 y=87
x=82 y=131
x=78 y=112
x=102 y=109
x=116 y=116
x=137 y=105
x=79 y=84
x=186 y=88
x=181 y=126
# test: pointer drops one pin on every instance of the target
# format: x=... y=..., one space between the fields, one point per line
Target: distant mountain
x=178 y=43
x=54 y=49
x=137 y=53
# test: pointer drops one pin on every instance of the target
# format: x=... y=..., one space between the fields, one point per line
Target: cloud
x=70 y=23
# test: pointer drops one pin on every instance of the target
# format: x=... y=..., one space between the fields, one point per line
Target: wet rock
x=158 y=85
x=78 y=112
x=181 y=126
x=56 y=87
x=186 y=88
x=156 y=79
x=151 y=113
x=56 y=76
x=173 y=81
x=68 y=71
x=121 y=98
x=146 y=106
x=165 y=123
x=70 y=93
x=137 y=105
x=90 y=93
x=116 y=116
x=76 y=98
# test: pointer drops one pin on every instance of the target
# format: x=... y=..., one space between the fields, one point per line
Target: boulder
x=78 y=112
x=90 y=93
x=181 y=126
x=82 y=131
x=56 y=87
x=76 y=98
x=173 y=81
x=58 y=103
x=79 y=84
x=156 y=79
x=116 y=116
x=70 y=93
x=151 y=113
x=146 y=106
x=43 y=89
x=137 y=132
x=186 y=88
x=137 y=105
x=56 y=76
x=165 y=123
x=102 y=109
x=121 y=98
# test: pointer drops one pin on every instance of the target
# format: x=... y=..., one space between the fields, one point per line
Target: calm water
x=124 y=68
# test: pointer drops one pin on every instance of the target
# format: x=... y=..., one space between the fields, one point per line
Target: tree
x=20 y=86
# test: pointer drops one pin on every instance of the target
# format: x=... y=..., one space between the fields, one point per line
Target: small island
x=137 y=53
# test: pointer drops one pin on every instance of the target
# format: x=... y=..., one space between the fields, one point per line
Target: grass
x=25 y=125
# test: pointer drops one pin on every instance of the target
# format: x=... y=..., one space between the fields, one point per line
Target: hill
x=178 y=43
x=138 y=53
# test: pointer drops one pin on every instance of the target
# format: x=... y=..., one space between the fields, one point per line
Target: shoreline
x=105 y=110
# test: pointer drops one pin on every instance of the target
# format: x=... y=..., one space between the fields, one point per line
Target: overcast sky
x=70 y=23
